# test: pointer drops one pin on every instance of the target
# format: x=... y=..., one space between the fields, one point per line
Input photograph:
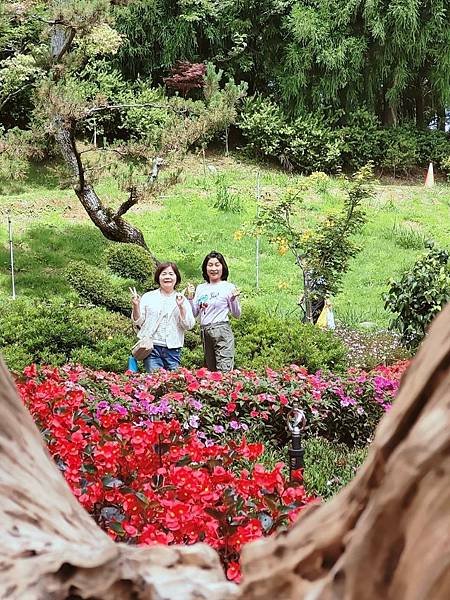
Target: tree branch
x=112 y=227
x=12 y=94
x=125 y=206
x=95 y=109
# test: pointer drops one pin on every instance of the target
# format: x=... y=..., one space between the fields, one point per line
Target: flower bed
x=148 y=482
x=220 y=407
x=167 y=458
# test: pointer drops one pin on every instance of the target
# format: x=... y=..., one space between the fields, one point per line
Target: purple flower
x=193 y=421
x=102 y=408
x=347 y=401
x=196 y=404
x=164 y=407
x=218 y=429
x=234 y=425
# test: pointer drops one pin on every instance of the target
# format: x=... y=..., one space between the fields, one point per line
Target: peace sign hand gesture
x=135 y=298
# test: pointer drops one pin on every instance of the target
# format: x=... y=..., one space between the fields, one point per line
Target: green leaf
x=117 y=527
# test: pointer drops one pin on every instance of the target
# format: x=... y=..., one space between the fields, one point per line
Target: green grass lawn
x=51 y=228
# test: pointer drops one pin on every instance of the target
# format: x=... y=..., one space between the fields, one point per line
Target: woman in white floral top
x=163 y=315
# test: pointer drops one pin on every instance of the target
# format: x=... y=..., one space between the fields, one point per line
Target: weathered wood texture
x=51 y=549
x=386 y=536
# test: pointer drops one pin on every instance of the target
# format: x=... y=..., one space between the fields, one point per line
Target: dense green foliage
x=265 y=340
x=329 y=467
x=420 y=293
x=58 y=331
x=99 y=288
x=317 y=142
x=322 y=63
x=388 y=57
x=131 y=262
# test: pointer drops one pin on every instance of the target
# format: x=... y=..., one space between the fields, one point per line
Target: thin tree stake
x=258 y=197
x=11 y=257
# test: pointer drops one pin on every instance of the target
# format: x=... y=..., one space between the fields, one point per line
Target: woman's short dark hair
x=222 y=261
x=165 y=265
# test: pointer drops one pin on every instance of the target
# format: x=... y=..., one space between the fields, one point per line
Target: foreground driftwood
x=386 y=536
x=50 y=548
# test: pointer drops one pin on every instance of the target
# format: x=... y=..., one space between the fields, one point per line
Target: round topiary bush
x=58 y=331
x=130 y=261
x=99 y=288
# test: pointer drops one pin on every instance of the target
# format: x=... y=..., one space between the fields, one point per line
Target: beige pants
x=218 y=346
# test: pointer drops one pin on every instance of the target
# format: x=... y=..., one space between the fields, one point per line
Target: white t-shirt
x=212 y=301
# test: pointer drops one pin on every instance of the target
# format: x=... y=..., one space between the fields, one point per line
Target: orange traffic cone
x=429 y=179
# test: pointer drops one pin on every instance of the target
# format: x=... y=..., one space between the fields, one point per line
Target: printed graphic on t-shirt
x=203 y=301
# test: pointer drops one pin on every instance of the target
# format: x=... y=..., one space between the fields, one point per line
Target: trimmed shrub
x=400 y=151
x=262 y=122
x=313 y=142
x=329 y=467
x=57 y=331
x=420 y=293
x=311 y=145
x=432 y=146
x=98 y=288
x=131 y=262
x=264 y=341
x=362 y=140
x=307 y=144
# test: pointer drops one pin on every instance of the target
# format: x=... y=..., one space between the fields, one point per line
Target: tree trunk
x=441 y=121
x=384 y=537
x=420 y=106
x=111 y=224
x=389 y=115
x=389 y=111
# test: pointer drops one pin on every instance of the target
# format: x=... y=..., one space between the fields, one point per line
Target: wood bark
x=441 y=120
x=419 y=103
x=111 y=224
x=51 y=549
x=384 y=537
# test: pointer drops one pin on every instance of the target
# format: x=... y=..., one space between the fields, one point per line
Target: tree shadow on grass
x=42 y=254
x=47 y=176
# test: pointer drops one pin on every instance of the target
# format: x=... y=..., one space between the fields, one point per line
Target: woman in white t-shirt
x=163 y=315
x=214 y=301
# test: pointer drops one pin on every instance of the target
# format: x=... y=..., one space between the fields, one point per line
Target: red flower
x=283 y=399
x=234 y=572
